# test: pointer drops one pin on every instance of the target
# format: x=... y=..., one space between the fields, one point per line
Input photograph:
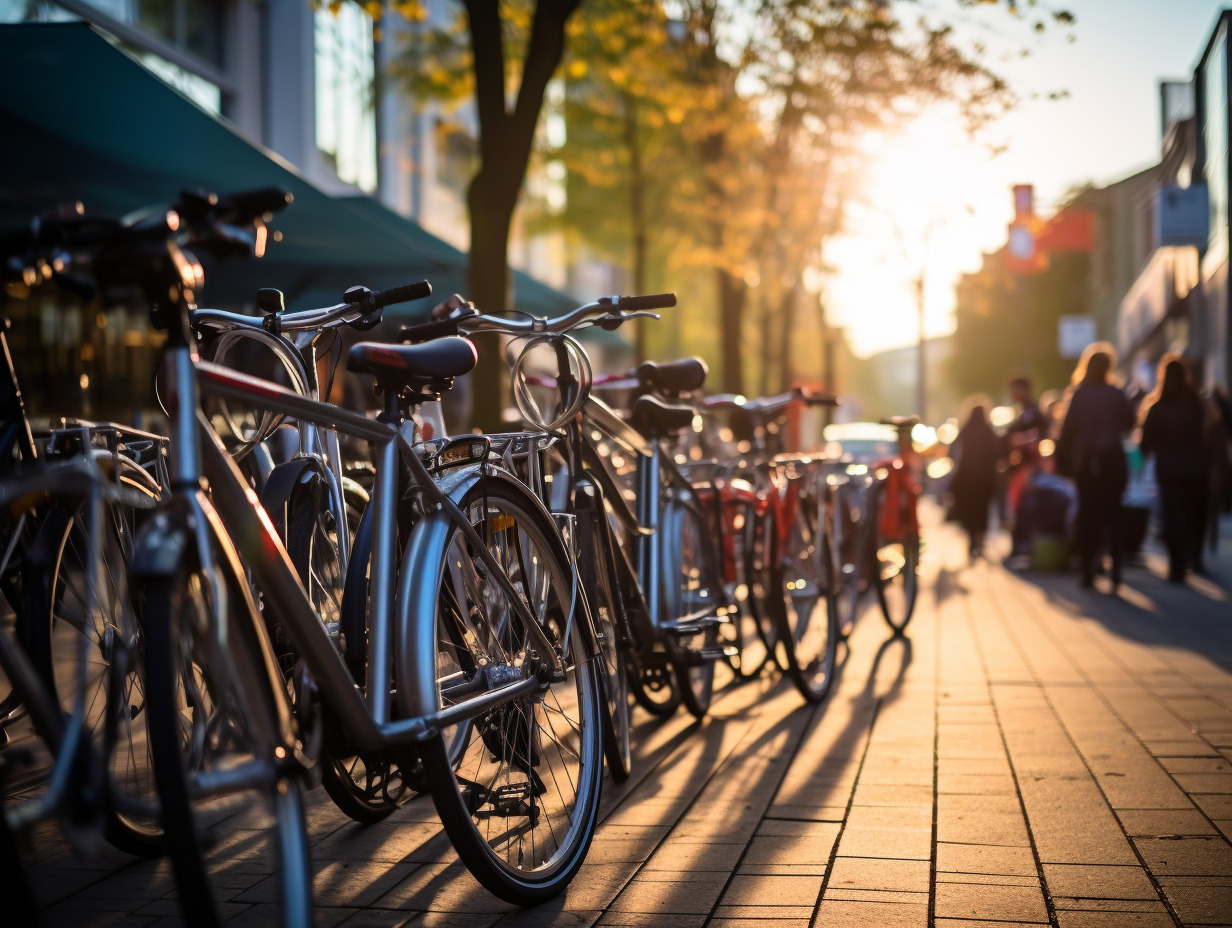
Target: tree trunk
x=732 y=293
x=637 y=217
x=488 y=282
x=786 y=313
x=505 y=140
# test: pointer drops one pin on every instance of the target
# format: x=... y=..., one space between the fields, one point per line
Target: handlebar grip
x=249 y=204
x=427 y=331
x=404 y=294
x=811 y=398
x=648 y=301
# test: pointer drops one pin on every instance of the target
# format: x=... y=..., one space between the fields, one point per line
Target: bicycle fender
x=282 y=480
x=162 y=542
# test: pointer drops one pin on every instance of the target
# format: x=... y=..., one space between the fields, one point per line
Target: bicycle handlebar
x=608 y=310
x=361 y=309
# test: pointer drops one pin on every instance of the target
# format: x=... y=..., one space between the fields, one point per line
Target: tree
x=508 y=90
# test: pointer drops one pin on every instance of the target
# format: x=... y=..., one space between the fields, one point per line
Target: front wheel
x=233 y=814
x=517 y=784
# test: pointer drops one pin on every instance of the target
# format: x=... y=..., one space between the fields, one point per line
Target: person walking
x=1090 y=450
x=1022 y=438
x=1174 y=430
x=976 y=450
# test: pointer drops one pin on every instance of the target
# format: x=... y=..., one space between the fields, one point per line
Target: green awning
x=82 y=120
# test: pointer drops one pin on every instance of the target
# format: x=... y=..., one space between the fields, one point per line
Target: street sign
x=1074 y=333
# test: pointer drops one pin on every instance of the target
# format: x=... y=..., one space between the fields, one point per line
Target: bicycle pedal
x=698 y=657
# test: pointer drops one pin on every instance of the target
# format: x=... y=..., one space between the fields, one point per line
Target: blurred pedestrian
x=1090 y=450
x=1174 y=430
x=1022 y=437
x=976 y=451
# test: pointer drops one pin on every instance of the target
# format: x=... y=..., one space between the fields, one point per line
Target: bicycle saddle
x=651 y=416
x=681 y=376
x=411 y=365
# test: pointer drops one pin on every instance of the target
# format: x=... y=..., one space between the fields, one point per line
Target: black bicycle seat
x=681 y=376
x=651 y=416
x=411 y=365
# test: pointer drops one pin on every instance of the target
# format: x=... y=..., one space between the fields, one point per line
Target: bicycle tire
x=750 y=629
x=100 y=653
x=558 y=728
x=614 y=680
x=807 y=611
x=367 y=787
x=846 y=557
x=216 y=711
x=898 y=575
x=691 y=586
x=898 y=581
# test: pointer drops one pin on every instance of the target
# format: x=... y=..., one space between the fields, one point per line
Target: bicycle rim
x=96 y=661
x=614 y=679
x=898 y=565
x=749 y=629
x=691 y=588
x=517 y=789
x=240 y=843
x=808 y=611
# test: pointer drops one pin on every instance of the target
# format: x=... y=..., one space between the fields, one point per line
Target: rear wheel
x=807 y=609
x=843 y=515
x=516 y=785
x=692 y=593
x=750 y=629
x=898 y=575
x=232 y=812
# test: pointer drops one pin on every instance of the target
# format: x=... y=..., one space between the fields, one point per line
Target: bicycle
x=474 y=645
x=659 y=597
x=896 y=553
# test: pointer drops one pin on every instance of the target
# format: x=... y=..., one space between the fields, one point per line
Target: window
x=1215 y=135
x=345 y=109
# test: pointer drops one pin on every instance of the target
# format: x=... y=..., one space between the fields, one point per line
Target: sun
x=930 y=200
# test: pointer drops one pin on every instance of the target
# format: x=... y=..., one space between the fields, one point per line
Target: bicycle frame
x=234 y=515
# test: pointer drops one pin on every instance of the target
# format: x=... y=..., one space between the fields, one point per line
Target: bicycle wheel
x=517 y=786
x=807 y=609
x=898 y=576
x=93 y=656
x=750 y=629
x=842 y=512
x=232 y=811
x=692 y=592
x=367 y=787
x=614 y=681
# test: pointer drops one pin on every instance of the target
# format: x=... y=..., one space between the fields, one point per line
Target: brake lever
x=614 y=322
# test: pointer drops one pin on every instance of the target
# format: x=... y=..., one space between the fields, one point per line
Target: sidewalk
x=1030 y=754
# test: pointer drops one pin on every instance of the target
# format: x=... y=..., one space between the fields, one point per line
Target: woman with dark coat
x=1090 y=450
x=977 y=449
x=1174 y=430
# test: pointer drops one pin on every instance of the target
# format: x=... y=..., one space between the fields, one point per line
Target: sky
x=934 y=200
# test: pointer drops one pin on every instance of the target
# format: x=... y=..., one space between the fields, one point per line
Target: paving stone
x=872 y=914
x=672 y=897
x=1162 y=823
x=776 y=890
x=1199 y=905
x=1186 y=856
x=878 y=873
x=985 y=858
x=1092 y=881
x=982 y=900
x=767 y=912
x=1079 y=919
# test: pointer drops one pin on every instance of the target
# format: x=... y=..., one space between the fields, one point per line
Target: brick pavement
x=1030 y=754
